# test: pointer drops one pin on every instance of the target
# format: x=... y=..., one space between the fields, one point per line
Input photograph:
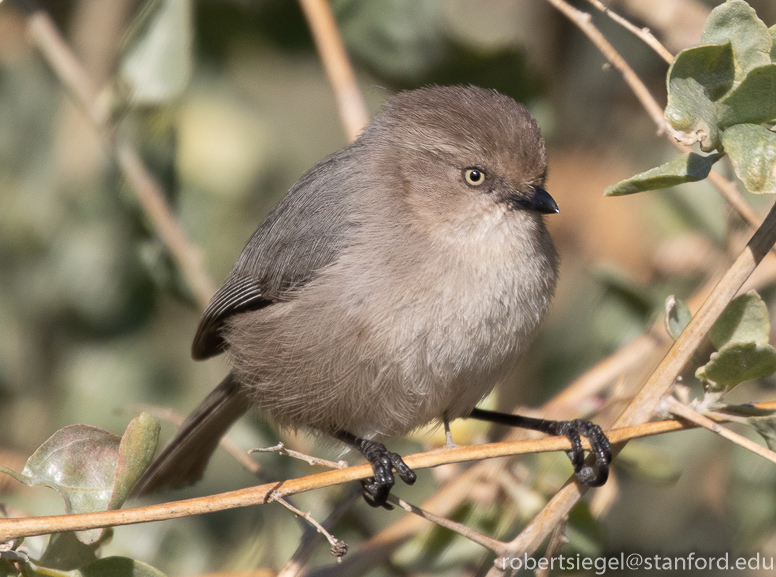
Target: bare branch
x=472 y=535
x=261 y=494
x=685 y=412
x=350 y=102
x=308 y=543
x=45 y=36
x=280 y=448
x=644 y=33
x=338 y=548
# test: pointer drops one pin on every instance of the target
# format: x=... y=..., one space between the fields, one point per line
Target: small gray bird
x=396 y=284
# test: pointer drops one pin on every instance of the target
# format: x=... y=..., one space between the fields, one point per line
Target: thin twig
x=308 y=542
x=644 y=33
x=280 y=448
x=584 y=22
x=350 y=102
x=685 y=412
x=338 y=548
x=557 y=539
x=151 y=196
x=475 y=536
x=44 y=35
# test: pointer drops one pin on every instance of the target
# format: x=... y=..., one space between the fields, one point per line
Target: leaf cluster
x=721 y=95
x=93 y=470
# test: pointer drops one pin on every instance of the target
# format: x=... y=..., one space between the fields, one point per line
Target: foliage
x=720 y=94
x=93 y=470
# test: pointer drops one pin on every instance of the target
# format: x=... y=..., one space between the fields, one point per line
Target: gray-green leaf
x=136 y=452
x=753 y=101
x=766 y=426
x=744 y=320
x=772 y=30
x=737 y=22
x=688 y=167
x=736 y=363
x=92 y=469
x=697 y=78
x=677 y=317
x=752 y=150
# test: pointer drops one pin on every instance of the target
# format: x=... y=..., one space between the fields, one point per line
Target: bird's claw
x=573 y=431
x=384 y=462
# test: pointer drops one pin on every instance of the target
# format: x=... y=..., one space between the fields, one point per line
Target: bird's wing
x=234 y=296
x=304 y=233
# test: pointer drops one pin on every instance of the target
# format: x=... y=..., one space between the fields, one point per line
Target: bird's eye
x=474 y=176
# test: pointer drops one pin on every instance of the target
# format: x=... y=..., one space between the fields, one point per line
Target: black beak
x=538 y=200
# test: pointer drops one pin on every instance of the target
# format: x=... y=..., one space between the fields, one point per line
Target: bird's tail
x=183 y=461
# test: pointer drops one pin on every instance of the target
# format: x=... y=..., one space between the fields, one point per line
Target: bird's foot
x=599 y=442
x=573 y=431
x=384 y=462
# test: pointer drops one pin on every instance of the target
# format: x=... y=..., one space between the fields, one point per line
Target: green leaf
x=736 y=22
x=399 y=38
x=79 y=461
x=711 y=66
x=136 y=452
x=752 y=150
x=92 y=469
x=65 y=552
x=766 y=426
x=753 y=101
x=697 y=77
x=677 y=317
x=158 y=62
x=744 y=320
x=688 y=167
x=772 y=30
x=736 y=363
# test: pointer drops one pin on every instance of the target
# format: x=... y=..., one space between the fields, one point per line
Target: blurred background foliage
x=94 y=318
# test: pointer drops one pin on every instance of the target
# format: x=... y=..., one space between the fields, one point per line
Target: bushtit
x=396 y=284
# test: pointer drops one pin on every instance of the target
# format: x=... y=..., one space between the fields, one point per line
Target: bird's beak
x=538 y=200
x=542 y=202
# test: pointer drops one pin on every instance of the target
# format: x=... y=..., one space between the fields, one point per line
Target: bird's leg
x=569 y=429
x=449 y=443
x=377 y=488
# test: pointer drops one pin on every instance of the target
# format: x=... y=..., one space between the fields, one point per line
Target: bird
x=396 y=284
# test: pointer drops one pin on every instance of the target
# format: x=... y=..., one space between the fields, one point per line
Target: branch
x=307 y=546
x=644 y=33
x=350 y=102
x=261 y=494
x=281 y=449
x=474 y=536
x=338 y=548
x=47 y=39
x=685 y=412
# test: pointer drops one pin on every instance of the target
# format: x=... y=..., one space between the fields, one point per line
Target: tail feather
x=183 y=461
